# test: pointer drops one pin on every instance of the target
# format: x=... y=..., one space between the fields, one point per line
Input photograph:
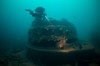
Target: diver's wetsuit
x=38 y=16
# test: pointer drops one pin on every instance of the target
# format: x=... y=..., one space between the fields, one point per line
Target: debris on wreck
x=55 y=34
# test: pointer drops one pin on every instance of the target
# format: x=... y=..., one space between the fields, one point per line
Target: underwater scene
x=49 y=32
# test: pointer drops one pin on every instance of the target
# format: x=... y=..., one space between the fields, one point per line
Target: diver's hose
x=47 y=18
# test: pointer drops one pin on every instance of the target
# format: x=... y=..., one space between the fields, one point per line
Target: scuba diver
x=39 y=13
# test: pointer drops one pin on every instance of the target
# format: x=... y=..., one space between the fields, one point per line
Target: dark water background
x=15 y=21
